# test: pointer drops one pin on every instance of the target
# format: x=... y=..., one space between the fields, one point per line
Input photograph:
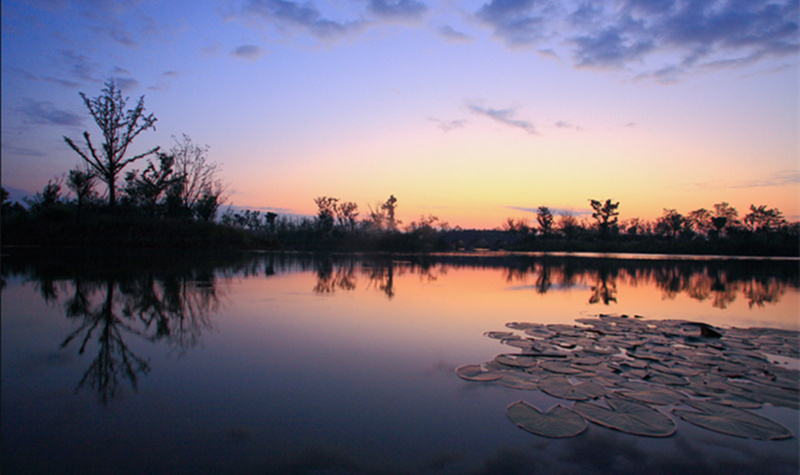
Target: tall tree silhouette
x=119 y=127
x=605 y=214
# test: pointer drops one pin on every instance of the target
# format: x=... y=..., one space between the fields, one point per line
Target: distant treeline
x=53 y=218
x=174 y=202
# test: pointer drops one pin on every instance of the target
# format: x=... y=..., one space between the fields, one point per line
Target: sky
x=472 y=111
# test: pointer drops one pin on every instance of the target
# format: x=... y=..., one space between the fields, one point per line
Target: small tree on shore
x=545 y=219
x=119 y=127
x=605 y=214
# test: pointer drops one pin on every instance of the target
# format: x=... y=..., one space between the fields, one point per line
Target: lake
x=158 y=362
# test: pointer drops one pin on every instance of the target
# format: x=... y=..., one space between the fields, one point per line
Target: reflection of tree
x=114 y=359
x=759 y=292
x=172 y=308
x=381 y=277
x=605 y=289
x=543 y=283
x=330 y=278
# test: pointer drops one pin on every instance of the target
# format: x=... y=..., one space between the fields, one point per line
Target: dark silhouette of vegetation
x=606 y=215
x=175 y=200
x=119 y=127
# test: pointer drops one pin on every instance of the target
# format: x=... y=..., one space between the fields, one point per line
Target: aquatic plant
x=624 y=373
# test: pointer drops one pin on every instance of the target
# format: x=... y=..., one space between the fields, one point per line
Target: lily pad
x=559 y=386
x=653 y=395
x=475 y=372
x=557 y=422
x=627 y=416
x=559 y=367
x=516 y=360
x=519 y=380
x=732 y=421
x=499 y=335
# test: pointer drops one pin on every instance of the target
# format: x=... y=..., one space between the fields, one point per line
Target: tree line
x=175 y=199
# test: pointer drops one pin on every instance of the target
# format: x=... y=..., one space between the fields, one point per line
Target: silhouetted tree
x=149 y=187
x=347 y=215
x=762 y=218
x=200 y=180
x=81 y=182
x=326 y=213
x=516 y=225
x=390 y=206
x=670 y=224
x=725 y=217
x=568 y=225
x=701 y=221
x=47 y=198
x=119 y=127
x=545 y=219
x=605 y=214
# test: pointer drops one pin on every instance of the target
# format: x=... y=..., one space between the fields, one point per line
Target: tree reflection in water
x=119 y=299
x=113 y=303
x=721 y=282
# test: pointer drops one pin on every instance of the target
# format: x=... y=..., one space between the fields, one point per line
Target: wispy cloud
x=451 y=34
x=305 y=16
x=45 y=113
x=448 y=125
x=248 y=52
x=503 y=116
x=781 y=178
x=22 y=151
x=563 y=124
x=402 y=10
x=622 y=34
x=79 y=65
x=126 y=83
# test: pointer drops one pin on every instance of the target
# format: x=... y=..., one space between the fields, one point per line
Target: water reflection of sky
x=341 y=365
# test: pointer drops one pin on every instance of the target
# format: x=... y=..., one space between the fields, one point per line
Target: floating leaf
x=675 y=370
x=769 y=394
x=519 y=380
x=653 y=395
x=559 y=386
x=628 y=416
x=732 y=421
x=475 y=372
x=557 y=422
x=499 y=335
x=559 y=367
x=517 y=361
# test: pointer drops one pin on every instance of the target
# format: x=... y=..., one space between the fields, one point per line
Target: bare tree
x=200 y=175
x=119 y=127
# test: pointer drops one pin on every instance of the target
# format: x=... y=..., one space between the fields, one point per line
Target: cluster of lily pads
x=633 y=374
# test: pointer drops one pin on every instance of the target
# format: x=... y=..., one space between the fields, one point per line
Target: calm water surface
x=269 y=363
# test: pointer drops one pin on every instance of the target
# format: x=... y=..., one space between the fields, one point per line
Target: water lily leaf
x=558 y=422
x=559 y=386
x=773 y=395
x=475 y=372
x=653 y=395
x=675 y=370
x=499 y=335
x=627 y=416
x=667 y=379
x=516 y=360
x=588 y=360
x=519 y=380
x=559 y=367
x=732 y=421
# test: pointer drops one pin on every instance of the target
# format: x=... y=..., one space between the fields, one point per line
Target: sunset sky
x=473 y=111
